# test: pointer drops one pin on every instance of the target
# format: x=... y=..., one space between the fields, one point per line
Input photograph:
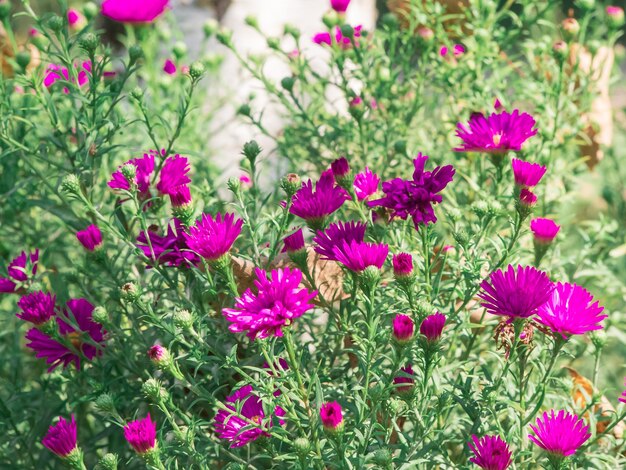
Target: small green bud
x=291 y=184
x=180 y=49
x=287 y=83
x=210 y=27
x=330 y=19
x=570 y=27
x=302 y=446
x=129 y=171
x=480 y=208
x=225 y=37
x=292 y=31
x=383 y=457
x=183 y=319
x=90 y=10
x=585 y=4
x=384 y=74
x=89 y=42
x=196 y=70
x=396 y=406
x=55 y=23
x=135 y=53
x=244 y=110
x=273 y=43
x=23 y=59
x=105 y=404
x=424 y=308
x=390 y=21
x=233 y=184
x=154 y=391
x=400 y=146
x=454 y=214
x=599 y=339
x=71 y=184
x=136 y=93
x=130 y=292
x=347 y=31
x=100 y=315
x=252 y=21
x=369 y=278
x=108 y=462
x=461 y=237
x=251 y=150
x=5 y=9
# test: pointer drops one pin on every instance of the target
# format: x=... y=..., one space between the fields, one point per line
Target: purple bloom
x=173 y=175
x=277 y=302
x=323 y=38
x=169 y=67
x=57 y=354
x=497 y=133
x=331 y=416
x=232 y=426
x=213 y=238
x=37 y=307
x=141 y=434
x=158 y=354
x=416 y=197
x=170 y=249
x=345 y=42
x=61 y=438
x=432 y=326
x=544 y=230
x=90 y=238
x=17 y=271
x=623 y=397
x=402 y=264
x=55 y=73
x=403 y=328
x=366 y=184
x=516 y=293
x=527 y=174
x=340 y=6
x=316 y=205
x=357 y=256
x=294 y=242
x=560 y=434
x=406 y=378
x=340 y=168
x=180 y=197
x=570 y=311
x=527 y=198
x=145 y=167
x=327 y=240
x=133 y=11
x=490 y=452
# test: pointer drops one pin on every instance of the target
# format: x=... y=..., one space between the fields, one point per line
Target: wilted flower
x=294 y=242
x=516 y=293
x=37 y=307
x=366 y=184
x=527 y=174
x=169 y=67
x=357 y=256
x=315 y=205
x=500 y=132
x=407 y=378
x=55 y=73
x=403 y=328
x=331 y=416
x=544 y=230
x=90 y=238
x=61 y=438
x=18 y=272
x=277 y=302
x=213 y=238
x=170 y=249
x=144 y=168
x=561 y=434
x=133 y=11
x=402 y=265
x=230 y=424
x=570 y=311
x=490 y=452
x=336 y=233
x=141 y=434
x=432 y=326
x=416 y=197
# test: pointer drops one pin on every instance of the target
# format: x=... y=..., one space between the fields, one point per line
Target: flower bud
x=560 y=50
x=340 y=169
x=183 y=319
x=615 y=16
x=544 y=230
x=233 y=184
x=273 y=43
x=383 y=458
x=347 y=31
x=105 y=404
x=251 y=150
x=403 y=328
x=402 y=265
x=252 y=21
x=302 y=446
x=129 y=171
x=71 y=184
x=244 y=110
x=108 y=462
x=225 y=36
x=55 y=23
x=90 y=10
x=332 y=417
x=136 y=93
x=196 y=70
x=129 y=292
x=570 y=27
x=135 y=52
x=179 y=49
x=89 y=42
x=100 y=315
x=585 y=4
x=292 y=31
x=210 y=27
x=154 y=391
x=390 y=21
x=598 y=339
x=159 y=355
x=287 y=83
x=23 y=59
x=291 y=184
x=432 y=327
x=399 y=146
x=426 y=34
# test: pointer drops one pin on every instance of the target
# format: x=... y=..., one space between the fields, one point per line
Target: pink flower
x=180 y=196
x=294 y=242
x=331 y=416
x=458 y=50
x=527 y=198
x=406 y=377
x=340 y=6
x=323 y=38
x=74 y=18
x=623 y=397
x=37 y=307
x=527 y=174
x=497 y=133
x=169 y=67
x=133 y=11
x=340 y=168
x=170 y=249
x=544 y=230
x=570 y=311
x=560 y=434
x=366 y=184
x=516 y=293
x=17 y=271
x=346 y=42
x=90 y=238
x=245 y=181
x=402 y=265
x=327 y=240
x=315 y=205
x=358 y=256
x=213 y=238
x=55 y=73
x=242 y=404
x=173 y=175
x=432 y=326
x=61 y=438
x=141 y=434
x=403 y=328
x=145 y=167
x=490 y=453
x=276 y=303
x=615 y=14
x=158 y=354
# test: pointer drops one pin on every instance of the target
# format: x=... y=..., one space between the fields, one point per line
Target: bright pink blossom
x=490 y=453
x=169 y=67
x=326 y=240
x=403 y=328
x=294 y=242
x=145 y=167
x=170 y=249
x=211 y=237
x=37 y=307
x=90 y=238
x=340 y=6
x=498 y=133
x=544 y=230
x=133 y=11
x=316 y=204
x=141 y=434
x=331 y=415
x=527 y=174
x=55 y=73
x=432 y=326
x=402 y=264
x=61 y=438
x=406 y=380
x=358 y=256
x=366 y=184
x=561 y=434
x=173 y=175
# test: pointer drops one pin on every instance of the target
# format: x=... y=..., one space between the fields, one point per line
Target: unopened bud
x=560 y=49
x=183 y=319
x=130 y=292
x=129 y=171
x=291 y=184
x=89 y=42
x=154 y=391
x=55 y=23
x=108 y=462
x=570 y=27
x=105 y=404
x=71 y=184
x=100 y=315
x=196 y=70
x=179 y=49
x=210 y=27
x=302 y=446
x=90 y=10
x=135 y=52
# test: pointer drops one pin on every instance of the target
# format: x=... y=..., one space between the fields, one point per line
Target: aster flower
x=570 y=311
x=314 y=205
x=402 y=265
x=17 y=271
x=561 y=434
x=234 y=425
x=54 y=73
x=346 y=42
x=622 y=398
x=340 y=6
x=169 y=67
x=75 y=19
x=340 y=168
x=490 y=452
x=357 y=256
x=323 y=38
x=615 y=15
x=145 y=167
x=498 y=133
x=173 y=175
x=406 y=378
x=366 y=184
x=527 y=198
x=326 y=241
x=294 y=242
x=516 y=293
x=432 y=326
x=158 y=354
x=61 y=438
x=403 y=328
x=544 y=230
x=276 y=303
x=90 y=238
x=213 y=238
x=170 y=249
x=416 y=197
x=180 y=197
x=134 y=11
x=331 y=416
x=527 y=174
x=37 y=307
x=57 y=354
x=141 y=434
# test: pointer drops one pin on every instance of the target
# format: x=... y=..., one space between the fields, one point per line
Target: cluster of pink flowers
x=338 y=39
x=19 y=271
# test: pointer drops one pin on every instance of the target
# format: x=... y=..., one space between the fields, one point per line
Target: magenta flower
x=277 y=302
x=173 y=175
x=497 y=133
x=17 y=271
x=622 y=398
x=402 y=265
x=169 y=67
x=406 y=378
x=416 y=197
x=323 y=38
x=61 y=438
x=366 y=184
x=133 y=11
x=490 y=452
x=180 y=196
x=457 y=50
x=335 y=234
x=145 y=167
x=74 y=17
x=57 y=354
x=294 y=242
x=54 y=73
x=357 y=256
x=560 y=434
x=170 y=249
x=527 y=174
x=331 y=416
x=90 y=238
x=403 y=328
x=516 y=293
x=158 y=354
x=141 y=434
x=544 y=230
x=315 y=205
x=37 y=307
x=432 y=326
x=236 y=426
x=527 y=198
x=340 y=168
x=213 y=238
x=570 y=311
x=245 y=180
x=615 y=14
x=346 y=42
x=340 y=6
